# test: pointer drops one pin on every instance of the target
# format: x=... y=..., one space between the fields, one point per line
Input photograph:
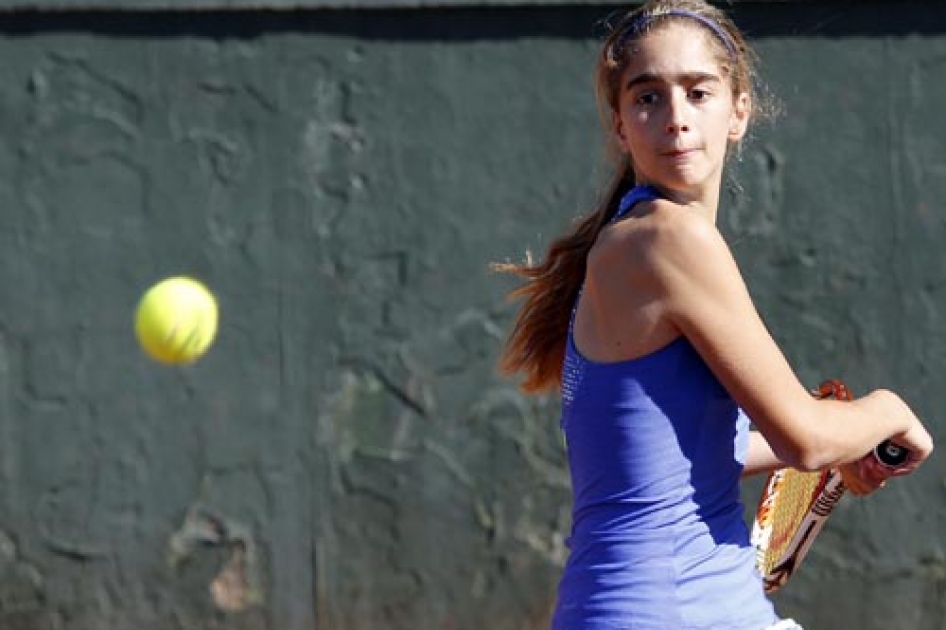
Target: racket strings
x=789 y=504
x=787 y=501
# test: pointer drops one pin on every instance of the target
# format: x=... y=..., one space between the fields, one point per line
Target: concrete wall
x=345 y=457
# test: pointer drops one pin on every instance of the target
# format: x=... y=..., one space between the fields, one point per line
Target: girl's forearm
x=760 y=457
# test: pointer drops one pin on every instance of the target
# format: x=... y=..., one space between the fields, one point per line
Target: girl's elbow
x=806 y=455
x=814 y=460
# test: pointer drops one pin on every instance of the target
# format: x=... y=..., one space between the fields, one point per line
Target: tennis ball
x=176 y=320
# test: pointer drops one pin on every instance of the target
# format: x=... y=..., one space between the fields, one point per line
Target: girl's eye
x=647 y=98
x=698 y=94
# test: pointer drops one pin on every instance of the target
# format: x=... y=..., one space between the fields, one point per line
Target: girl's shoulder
x=657 y=231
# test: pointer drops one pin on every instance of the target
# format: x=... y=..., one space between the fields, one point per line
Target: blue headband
x=638 y=25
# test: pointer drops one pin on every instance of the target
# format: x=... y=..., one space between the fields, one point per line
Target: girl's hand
x=865 y=475
x=915 y=439
x=918 y=442
x=868 y=474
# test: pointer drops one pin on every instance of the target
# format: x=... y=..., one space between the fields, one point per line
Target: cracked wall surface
x=346 y=457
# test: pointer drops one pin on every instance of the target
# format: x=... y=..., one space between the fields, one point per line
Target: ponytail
x=535 y=347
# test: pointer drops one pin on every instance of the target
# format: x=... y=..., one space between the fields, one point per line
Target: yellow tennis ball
x=176 y=320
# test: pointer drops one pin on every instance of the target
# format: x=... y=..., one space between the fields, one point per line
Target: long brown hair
x=535 y=347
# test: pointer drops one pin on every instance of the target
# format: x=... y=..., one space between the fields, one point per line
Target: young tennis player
x=641 y=317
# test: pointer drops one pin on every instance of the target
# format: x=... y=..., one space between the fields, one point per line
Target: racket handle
x=891 y=455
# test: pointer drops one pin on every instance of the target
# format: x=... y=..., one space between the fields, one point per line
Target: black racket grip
x=891 y=455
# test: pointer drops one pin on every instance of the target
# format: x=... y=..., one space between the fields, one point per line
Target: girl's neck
x=704 y=201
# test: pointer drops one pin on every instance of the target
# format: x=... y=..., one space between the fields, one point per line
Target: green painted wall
x=346 y=457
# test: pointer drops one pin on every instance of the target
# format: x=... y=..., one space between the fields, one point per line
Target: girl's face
x=676 y=111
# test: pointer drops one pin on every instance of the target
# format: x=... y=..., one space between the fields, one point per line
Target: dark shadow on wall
x=758 y=19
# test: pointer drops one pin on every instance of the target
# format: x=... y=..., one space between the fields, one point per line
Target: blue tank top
x=655 y=450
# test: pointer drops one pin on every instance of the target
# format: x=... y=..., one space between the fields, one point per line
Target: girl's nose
x=676 y=126
x=676 y=117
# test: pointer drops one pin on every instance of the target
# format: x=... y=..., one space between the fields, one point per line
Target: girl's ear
x=618 y=128
x=739 y=121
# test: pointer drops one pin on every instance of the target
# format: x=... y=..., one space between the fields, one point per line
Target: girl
x=641 y=317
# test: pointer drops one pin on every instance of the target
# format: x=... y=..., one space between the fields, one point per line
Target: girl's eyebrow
x=686 y=77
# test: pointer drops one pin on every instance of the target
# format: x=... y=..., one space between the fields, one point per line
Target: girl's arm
x=695 y=281
x=860 y=477
x=865 y=475
x=760 y=457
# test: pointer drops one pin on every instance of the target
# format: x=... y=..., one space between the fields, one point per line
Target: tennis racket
x=795 y=505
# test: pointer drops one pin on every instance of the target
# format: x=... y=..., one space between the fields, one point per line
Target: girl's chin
x=682 y=180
